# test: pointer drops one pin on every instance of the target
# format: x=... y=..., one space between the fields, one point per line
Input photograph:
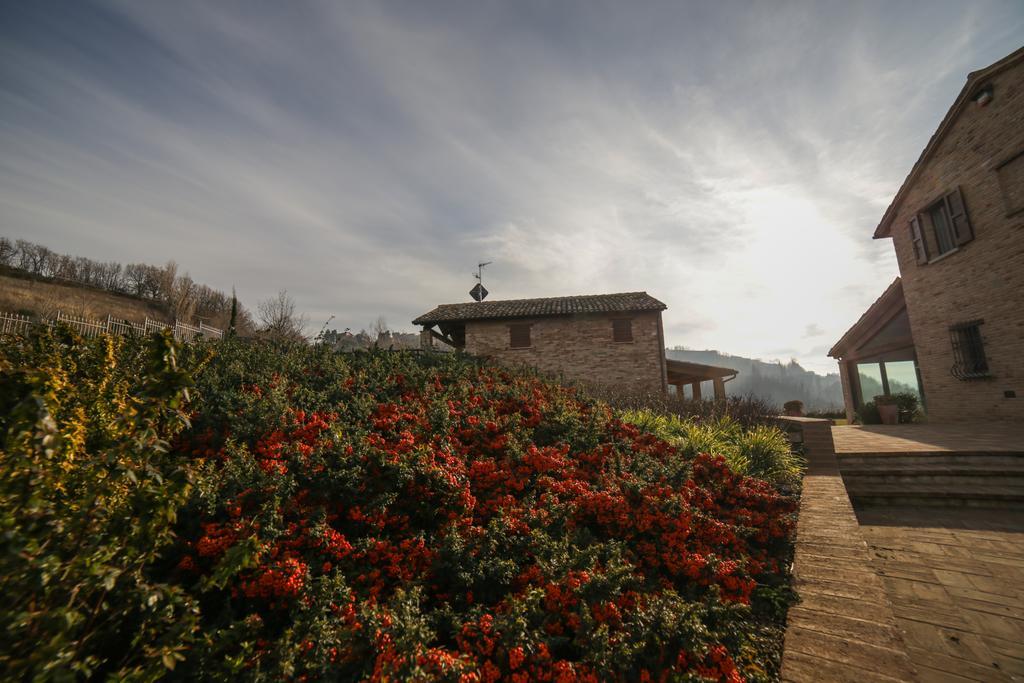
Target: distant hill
x=40 y=281
x=774 y=382
x=20 y=293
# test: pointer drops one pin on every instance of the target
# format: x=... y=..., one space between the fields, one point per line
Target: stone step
x=927 y=470
x=949 y=476
x=885 y=501
x=885 y=460
x=968 y=493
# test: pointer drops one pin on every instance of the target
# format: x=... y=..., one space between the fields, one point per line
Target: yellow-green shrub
x=88 y=497
x=758 y=451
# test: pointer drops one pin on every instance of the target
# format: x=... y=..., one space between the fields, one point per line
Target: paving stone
x=927 y=438
x=940 y=593
x=945 y=615
x=988 y=620
x=929 y=675
x=827 y=603
x=853 y=653
x=1010 y=648
x=843 y=628
x=800 y=667
x=961 y=612
x=973 y=671
x=869 y=630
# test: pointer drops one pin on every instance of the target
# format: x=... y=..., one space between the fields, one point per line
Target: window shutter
x=519 y=336
x=917 y=236
x=622 y=330
x=962 y=233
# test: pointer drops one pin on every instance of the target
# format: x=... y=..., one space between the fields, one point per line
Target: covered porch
x=681 y=374
x=877 y=355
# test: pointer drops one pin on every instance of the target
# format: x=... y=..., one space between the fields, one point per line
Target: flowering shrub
x=389 y=517
x=386 y=516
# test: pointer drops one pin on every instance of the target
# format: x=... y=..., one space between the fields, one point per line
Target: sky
x=730 y=158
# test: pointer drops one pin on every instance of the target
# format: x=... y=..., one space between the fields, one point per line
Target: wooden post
x=696 y=390
x=719 y=389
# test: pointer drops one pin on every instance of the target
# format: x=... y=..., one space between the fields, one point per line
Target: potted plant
x=908 y=407
x=793 y=408
x=888 y=409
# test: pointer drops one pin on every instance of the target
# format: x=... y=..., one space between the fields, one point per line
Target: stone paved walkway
x=843 y=629
x=955 y=579
x=917 y=438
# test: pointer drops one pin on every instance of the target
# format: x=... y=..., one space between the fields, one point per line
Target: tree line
x=184 y=299
x=176 y=293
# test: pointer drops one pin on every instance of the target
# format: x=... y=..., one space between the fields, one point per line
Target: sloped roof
x=891 y=297
x=974 y=80
x=625 y=302
x=682 y=370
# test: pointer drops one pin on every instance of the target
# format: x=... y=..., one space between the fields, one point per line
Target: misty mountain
x=771 y=381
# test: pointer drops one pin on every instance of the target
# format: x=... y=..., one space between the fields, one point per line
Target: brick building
x=952 y=327
x=603 y=338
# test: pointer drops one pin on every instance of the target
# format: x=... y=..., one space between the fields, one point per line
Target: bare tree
x=182 y=297
x=8 y=252
x=380 y=332
x=29 y=256
x=165 y=278
x=85 y=270
x=136 y=276
x=49 y=262
x=278 y=319
x=67 y=269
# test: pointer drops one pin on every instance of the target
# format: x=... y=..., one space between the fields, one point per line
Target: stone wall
x=982 y=279
x=580 y=347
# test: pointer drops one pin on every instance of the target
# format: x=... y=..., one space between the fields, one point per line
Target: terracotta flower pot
x=890 y=414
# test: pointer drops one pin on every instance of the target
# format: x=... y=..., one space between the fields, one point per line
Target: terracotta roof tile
x=531 y=308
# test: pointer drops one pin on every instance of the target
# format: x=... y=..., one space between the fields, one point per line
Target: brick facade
x=982 y=279
x=580 y=347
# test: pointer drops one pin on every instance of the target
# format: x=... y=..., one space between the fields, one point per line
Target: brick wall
x=580 y=347
x=985 y=277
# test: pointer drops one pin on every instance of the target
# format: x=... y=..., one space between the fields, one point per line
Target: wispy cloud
x=731 y=160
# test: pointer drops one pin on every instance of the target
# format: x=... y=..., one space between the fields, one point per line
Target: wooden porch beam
x=441 y=337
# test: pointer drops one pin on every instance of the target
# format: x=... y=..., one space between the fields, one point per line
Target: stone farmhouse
x=951 y=328
x=600 y=338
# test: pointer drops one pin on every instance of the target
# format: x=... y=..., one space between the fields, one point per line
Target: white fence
x=13 y=323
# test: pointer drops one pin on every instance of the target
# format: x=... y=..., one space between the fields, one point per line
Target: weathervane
x=479 y=292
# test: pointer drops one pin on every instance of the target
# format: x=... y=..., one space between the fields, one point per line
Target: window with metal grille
x=968 y=351
x=622 y=330
x=519 y=336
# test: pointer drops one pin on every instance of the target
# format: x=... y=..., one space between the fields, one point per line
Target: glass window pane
x=943 y=234
x=870 y=376
x=902 y=378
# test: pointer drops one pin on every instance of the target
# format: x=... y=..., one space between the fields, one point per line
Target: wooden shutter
x=622 y=330
x=519 y=336
x=917 y=236
x=959 y=223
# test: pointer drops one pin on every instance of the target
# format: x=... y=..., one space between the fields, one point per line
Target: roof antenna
x=479 y=292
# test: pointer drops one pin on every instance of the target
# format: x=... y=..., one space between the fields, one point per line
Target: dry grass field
x=18 y=295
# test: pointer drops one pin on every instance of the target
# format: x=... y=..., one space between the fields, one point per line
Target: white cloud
x=730 y=160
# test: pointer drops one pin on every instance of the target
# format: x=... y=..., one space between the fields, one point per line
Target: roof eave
x=423 y=321
x=889 y=297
